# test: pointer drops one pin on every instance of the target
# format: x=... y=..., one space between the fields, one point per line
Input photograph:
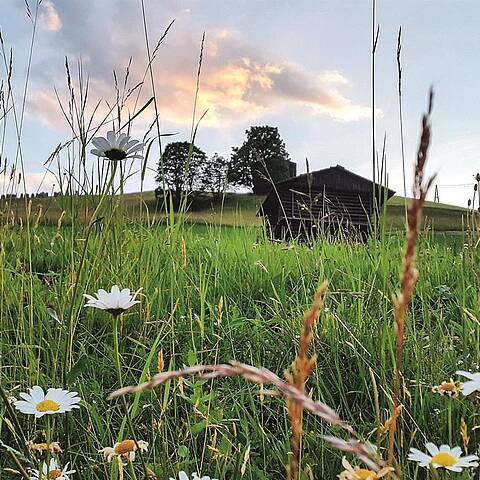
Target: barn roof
x=335 y=178
x=331 y=177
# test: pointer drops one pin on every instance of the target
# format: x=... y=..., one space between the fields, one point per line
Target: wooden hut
x=326 y=201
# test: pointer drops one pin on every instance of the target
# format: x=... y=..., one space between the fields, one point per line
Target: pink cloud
x=237 y=84
x=49 y=19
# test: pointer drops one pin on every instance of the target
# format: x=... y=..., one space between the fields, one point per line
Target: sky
x=303 y=66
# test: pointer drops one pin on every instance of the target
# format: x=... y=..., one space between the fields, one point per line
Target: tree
x=179 y=167
x=214 y=175
x=261 y=160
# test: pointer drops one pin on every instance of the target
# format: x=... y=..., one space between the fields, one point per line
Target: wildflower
x=56 y=400
x=358 y=473
x=116 y=147
x=124 y=450
x=449 y=389
x=473 y=385
x=115 y=302
x=53 y=447
x=443 y=457
x=183 y=476
x=52 y=471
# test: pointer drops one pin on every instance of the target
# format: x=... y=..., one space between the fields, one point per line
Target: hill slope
x=234 y=209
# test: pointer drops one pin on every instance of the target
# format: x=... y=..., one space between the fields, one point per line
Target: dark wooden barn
x=326 y=201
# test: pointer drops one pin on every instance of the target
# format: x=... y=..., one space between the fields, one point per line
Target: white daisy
x=449 y=389
x=124 y=450
x=56 y=400
x=117 y=147
x=115 y=302
x=357 y=473
x=473 y=385
x=52 y=471
x=443 y=457
x=183 y=476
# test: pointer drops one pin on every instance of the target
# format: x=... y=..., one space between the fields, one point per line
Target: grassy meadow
x=212 y=294
x=215 y=289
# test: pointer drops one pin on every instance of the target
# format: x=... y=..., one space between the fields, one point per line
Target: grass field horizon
x=235 y=209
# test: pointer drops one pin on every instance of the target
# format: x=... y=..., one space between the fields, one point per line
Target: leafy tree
x=214 y=175
x=260 y=160
x=178 y=170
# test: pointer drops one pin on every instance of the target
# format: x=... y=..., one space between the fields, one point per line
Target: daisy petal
x=112 y=139
x=101 y=143
x=469 y=387
x=432 y=448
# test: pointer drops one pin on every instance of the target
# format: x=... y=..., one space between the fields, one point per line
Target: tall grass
x=265 y=288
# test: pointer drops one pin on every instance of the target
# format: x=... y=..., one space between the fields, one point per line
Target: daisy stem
x=49 y=440
x=69 y=343
x=132 y=470
x=434 y=473
x=450 y=435
x=116 y=320
x=116 y=350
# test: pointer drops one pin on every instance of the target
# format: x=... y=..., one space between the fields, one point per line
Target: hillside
x=235 y=209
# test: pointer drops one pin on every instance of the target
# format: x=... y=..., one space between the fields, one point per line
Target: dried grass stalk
x=253 y=374
x=301 y=369
x=409 y=273
x=263 y=376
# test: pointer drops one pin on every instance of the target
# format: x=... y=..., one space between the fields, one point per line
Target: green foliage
x=261 y=160
x=214 y=175
x=179 y=167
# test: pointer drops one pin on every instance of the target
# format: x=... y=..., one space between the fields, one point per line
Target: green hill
x=233 y=209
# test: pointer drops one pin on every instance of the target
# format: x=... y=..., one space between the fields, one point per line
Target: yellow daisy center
x=48 y=406
x=365 y=474
x=53 y=475
x=444 y=459
x=125 y=447
x=448 y=387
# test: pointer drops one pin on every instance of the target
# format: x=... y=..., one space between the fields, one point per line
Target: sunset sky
x=301 y=65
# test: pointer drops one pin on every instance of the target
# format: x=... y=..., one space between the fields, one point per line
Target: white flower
x=116 y=147
x=449 y=389
x=51 y=471
x=443 y=457
x=124 y=450
x=357 y=473
x=56 y=400
x=115 y=302
x=473 y=385
x=183 y=476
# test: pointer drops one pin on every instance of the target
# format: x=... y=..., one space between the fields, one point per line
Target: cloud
x=34 y=182
x=38 y=181
x=244 y=88
x=49 y=20
x=239 y=82
x=334 y=76
x=43 y=105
